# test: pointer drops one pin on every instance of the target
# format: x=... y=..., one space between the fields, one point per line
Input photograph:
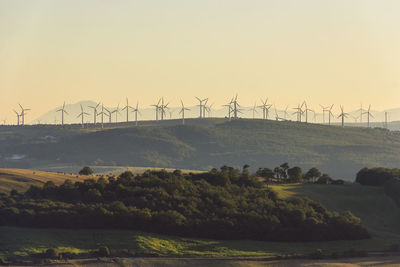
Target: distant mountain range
x=148 y=113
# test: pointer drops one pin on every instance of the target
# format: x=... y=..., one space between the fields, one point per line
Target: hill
x=201 y=145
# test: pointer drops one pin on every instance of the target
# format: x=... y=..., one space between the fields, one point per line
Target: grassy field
x=377 y=212
x=21 y=179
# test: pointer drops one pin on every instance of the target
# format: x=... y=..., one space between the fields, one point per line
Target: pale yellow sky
x=342 y=51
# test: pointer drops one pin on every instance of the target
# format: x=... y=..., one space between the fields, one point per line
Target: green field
x=377 y=212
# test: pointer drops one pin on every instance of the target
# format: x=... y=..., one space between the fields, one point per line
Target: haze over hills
x=148 y=113
x=202 y=144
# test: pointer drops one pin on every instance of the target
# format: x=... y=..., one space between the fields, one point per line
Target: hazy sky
x=323 y=51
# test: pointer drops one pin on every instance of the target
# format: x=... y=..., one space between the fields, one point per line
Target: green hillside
x=202 y=144
x=378 y=214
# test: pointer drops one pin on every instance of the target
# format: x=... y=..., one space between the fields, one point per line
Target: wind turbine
x=157 y=106
x=229 y=105
x=62 y=113
x=82 y=114
x=361 y=110
x=343 y=115
x=18 y=115
x=306 y=110
x=355 y=118
x=108 y=114
x=163 y=108
x=183 y=112
x=136 y=110
x=299 y=112
x=116 y=111
x=254 y=110
x=285 y=113
x=324 y=109
x=368 y=112
x=23 y=113
x=201 y=105
x=265 y=108
x=94 y=112
x=102 y=115
x=330 y=114
x=386 y=119
x=127 y=107
x=208 y=109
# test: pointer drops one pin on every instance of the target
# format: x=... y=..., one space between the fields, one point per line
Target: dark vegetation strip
x=220 y=204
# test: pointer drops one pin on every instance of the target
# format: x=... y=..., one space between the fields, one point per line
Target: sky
x=342 y=52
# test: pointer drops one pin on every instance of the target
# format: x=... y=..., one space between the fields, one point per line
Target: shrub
x=103 y=251
x=51 y=253
x=86 y=171
x=376 y=176
x=317 y=254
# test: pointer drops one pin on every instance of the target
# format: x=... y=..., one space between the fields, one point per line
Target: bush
x=86 y=171
x=376 y=176
x=51 y=253
x=317 y=254
x=103 y=251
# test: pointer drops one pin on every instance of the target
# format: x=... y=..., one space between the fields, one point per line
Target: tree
x=86 y=171
x=295 y=174
x=324 y=179
x=312 y=174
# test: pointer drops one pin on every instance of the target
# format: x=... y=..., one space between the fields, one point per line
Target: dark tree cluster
x=376 y=176
x=222 y=204
x=285 y=174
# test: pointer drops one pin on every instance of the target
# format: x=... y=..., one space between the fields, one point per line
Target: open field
x=377 y=212
x=21 y=179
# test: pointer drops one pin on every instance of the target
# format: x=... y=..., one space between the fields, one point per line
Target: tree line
x=225 y=203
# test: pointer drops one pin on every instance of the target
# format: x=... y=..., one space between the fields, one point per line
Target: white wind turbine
x=254 y=109
x=23 y=113
x=342 y=115
x=18 y=116
x=82 y=114
x=62 y=110
x=116 y=111
x=157 y=106
x=182 y=111
x=127 y=107
x=201 y=105
x=368 y=112
x=94 y=112
x=136 y=110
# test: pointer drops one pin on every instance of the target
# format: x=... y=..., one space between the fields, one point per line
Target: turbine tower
x=342 y=115
x=157 y=106
x=23 y=113
x=102 y=115
x=136 y=110
x=18 y=115
x=265 y=108
x=94 y=112
x=62 y=110
x=368 y=112
x=182 y=111
x=254 y=110
x=116 y=111
x=298 y=112
x=330 y=114
x=306 y=110
x=82 y=114
x=201 y=105
x=127 y=107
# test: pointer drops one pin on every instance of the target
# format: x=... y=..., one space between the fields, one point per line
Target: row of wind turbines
x=302 y=112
